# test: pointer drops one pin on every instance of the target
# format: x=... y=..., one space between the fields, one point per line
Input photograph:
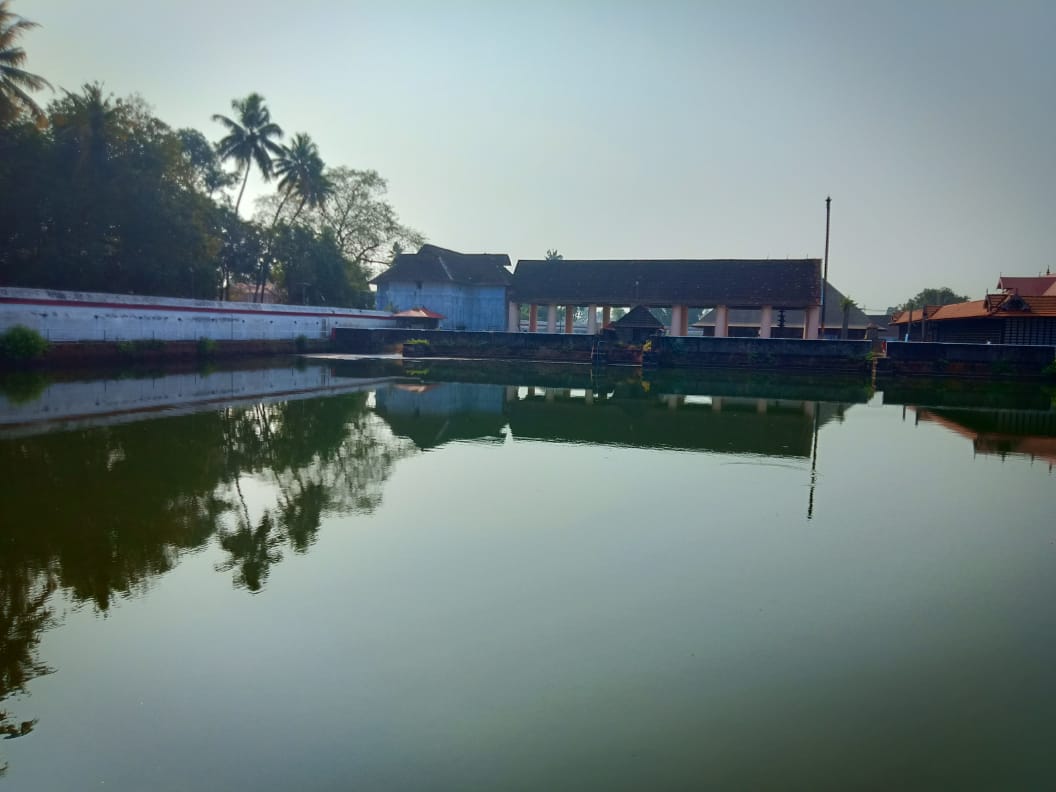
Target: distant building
x=468 y=290
x=1023 y=312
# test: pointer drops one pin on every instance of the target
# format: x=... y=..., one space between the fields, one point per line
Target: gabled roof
x=993 y=306
x=695 y=282
x=794 y=317
x=432 y=264
x=638 y=316
x=1029 y=286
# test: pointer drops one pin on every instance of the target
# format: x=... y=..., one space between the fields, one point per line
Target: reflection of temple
x=1027 y=433
x=439 y=412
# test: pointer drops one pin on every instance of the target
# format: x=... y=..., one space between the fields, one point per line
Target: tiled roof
x=419 y=313
x=695 y=282
x=432 y=264
x=965 y=310
x=1030 y=286
x=993 y=306
x=639 y=316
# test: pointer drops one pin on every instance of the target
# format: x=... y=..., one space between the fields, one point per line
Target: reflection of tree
x=100 y=513
x=321 y=455
x=24 y=615
x=253 y=551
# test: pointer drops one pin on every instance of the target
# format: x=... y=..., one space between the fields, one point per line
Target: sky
x=635 y=129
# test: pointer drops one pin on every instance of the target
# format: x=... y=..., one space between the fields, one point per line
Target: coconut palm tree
x=15 y=81
x=846 y=304
x=301 y=172
x=249 y=139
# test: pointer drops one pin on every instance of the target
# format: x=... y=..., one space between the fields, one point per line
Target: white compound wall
x=93 y=316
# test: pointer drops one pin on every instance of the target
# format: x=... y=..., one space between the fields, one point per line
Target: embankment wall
x=964 y=361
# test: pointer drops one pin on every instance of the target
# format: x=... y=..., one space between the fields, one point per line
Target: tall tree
x=553 y=255
x=365 y=225
x=249 y=139
x=14 y=80
x=301 y=173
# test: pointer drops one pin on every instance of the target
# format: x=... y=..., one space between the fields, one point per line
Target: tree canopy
x=16 y=82
x=943 y=295
x=99 y=194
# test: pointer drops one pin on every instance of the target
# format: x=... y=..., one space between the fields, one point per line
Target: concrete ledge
x=762 y=353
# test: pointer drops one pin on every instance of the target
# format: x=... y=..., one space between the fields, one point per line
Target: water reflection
x=103 y=508
x=1002 y=433
x=101 y=512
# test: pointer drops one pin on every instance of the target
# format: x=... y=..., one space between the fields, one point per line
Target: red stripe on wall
x=185 y=309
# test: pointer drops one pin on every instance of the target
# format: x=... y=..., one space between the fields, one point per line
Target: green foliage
x=21 y=387
x=1050 y=370
x=206 y=348
x=249 y=138
x=104 y=196
x=941 y=296
x=21 y=344
x=553 y=255
x=301 y=343
x=15 y=81
x=416 y=342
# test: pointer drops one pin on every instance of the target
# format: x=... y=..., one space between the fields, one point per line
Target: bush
x=206 y=348
x=20 y=344
x=301 y=343
x=416 y=342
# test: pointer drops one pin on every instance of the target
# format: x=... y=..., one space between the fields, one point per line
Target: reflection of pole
x=825 y=272
x=813 y=464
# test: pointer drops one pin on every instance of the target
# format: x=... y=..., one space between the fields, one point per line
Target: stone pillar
x=551 y=318
x=685 y=320
x=813 y=322
x=592 y=320
x=676 y=320
x=606 y=315
x=766 y=321
x=570 y=319
x=513 y=324
x=533 y=318
x=722 y=321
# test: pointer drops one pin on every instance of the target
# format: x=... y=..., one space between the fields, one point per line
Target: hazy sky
x=636 y=129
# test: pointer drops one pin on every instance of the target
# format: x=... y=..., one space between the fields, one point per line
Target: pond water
x=486 y=578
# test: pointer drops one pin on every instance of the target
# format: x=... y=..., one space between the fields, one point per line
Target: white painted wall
x=93 y=316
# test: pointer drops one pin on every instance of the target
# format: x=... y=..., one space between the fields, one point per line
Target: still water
x=384 y=579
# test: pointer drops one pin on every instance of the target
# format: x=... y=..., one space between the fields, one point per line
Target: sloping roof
x=915 y=315
x=965 y=310
x=993 y=306
x=638 y=316
x=693 y=282
x=432 y=264
x=419 y=313
x=794 y=317
x=1029 y=286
